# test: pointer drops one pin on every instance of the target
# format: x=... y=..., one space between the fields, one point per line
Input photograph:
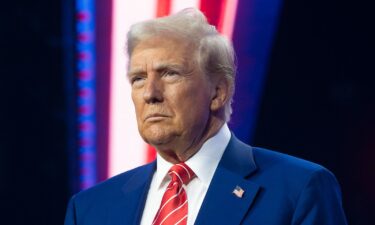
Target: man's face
x=172 y=97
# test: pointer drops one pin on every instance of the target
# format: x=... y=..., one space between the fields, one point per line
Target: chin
x=156 y=138
x=155 y=142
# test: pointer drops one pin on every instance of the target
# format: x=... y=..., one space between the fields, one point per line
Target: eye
x=136 y=79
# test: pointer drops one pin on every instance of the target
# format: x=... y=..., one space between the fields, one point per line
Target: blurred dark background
x=34 y=119
x=318 y=102
x=319 y=96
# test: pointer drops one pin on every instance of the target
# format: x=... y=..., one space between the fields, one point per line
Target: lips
x=155 y=116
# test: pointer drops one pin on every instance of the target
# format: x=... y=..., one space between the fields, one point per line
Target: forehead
x=161 y=50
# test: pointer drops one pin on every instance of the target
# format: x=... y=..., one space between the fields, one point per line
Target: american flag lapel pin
x=238 y=191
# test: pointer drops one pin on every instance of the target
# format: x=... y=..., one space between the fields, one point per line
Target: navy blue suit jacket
x=279 y=189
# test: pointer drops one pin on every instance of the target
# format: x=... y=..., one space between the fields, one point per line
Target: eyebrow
x=163 y=66
x=159 y=68
x=134 y=71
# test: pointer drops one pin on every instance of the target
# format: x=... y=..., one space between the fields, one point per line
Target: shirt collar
x=203 y=163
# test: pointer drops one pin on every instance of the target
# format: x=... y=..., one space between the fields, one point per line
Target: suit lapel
x=130 y=208
x=221 y=205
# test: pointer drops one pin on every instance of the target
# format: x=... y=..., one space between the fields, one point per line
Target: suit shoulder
x=113 y=185
x=283 y=163
x=283 y=173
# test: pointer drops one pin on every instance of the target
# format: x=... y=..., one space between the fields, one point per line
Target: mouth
x=155 y=117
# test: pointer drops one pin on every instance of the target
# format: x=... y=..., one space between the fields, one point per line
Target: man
x=182 y=75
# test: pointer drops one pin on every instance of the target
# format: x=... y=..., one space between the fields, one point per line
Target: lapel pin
x=238 y=191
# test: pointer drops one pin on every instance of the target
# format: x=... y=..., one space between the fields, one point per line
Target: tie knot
x=181 y=173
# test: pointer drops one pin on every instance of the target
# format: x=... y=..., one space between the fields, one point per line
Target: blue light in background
x=85 y=49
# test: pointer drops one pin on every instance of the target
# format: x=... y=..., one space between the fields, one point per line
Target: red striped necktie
x=174 y=205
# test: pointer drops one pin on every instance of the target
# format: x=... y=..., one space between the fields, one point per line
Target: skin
x=177 y=106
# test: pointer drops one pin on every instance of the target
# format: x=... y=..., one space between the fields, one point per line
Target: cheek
x=193 y=105
x=137 y=102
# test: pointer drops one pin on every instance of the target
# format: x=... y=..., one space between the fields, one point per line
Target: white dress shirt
x=203 y=163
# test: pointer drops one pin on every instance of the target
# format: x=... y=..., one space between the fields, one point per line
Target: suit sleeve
x=70 y=217
x=320 y=201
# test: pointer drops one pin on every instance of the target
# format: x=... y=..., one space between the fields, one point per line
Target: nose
x=153 y=91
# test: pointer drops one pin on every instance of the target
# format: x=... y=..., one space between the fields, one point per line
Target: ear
x=220 y=94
